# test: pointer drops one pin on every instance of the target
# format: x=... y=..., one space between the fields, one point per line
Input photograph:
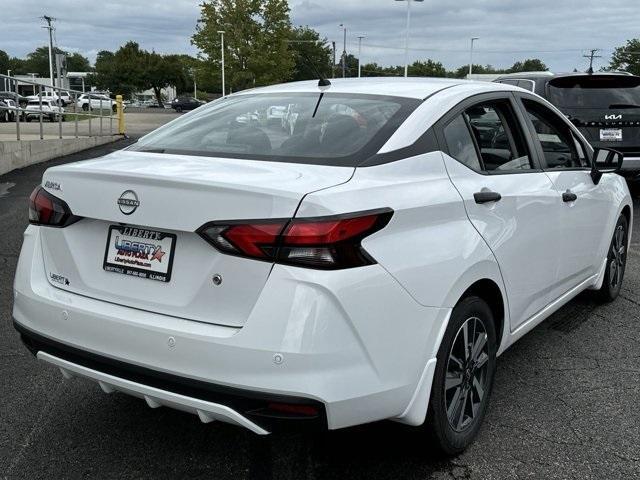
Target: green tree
x=309 y=50
x=461 y=72
x=257 y=51
x=4 y=62
x=528 y=65
x=131 y=69
x=627 y=57
x=426 y=68
x=38 y=62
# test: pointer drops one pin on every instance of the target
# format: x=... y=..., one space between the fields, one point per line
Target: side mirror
x=605 y=160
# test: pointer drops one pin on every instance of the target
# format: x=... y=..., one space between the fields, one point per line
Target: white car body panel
x=362 y=341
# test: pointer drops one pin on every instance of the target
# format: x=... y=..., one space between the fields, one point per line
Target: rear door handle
x=569 y=196
x=486 y=196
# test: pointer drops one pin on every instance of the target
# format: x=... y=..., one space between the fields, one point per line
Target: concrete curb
x=22 y=153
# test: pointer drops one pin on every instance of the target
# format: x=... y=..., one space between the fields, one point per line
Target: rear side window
x=460 y=143
x=559 y=144
x=498 y=137
x=315 y=128
x=487 y=137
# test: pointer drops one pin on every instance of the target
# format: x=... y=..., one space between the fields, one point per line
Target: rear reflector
x=293 y=409
x=46 y=209
x=322 y=242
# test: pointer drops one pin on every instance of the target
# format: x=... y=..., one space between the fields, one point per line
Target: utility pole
x=360 y=55
x=344 y=51
x=221 y=32
x=591 y=56
x=49 y=27
x=473 y=39
x=406 y=35
x=333 y=65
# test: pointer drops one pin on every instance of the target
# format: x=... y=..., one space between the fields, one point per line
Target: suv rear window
x=315 y=128
x=595 y=91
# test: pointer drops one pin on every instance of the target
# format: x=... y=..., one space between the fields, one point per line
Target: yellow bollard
x=120 y=112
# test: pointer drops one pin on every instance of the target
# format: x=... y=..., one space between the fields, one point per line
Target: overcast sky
x=557 y=31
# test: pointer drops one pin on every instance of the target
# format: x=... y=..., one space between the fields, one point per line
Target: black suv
x=604 y=106
x=185 y=103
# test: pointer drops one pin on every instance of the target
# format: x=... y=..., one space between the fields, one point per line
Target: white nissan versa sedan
x=370 y=264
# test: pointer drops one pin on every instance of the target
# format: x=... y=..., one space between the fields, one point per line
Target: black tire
x=453 y=418
x=616 y=262
x=179 y=109
x=114 y=108
x=27 y=119
x=85 y=107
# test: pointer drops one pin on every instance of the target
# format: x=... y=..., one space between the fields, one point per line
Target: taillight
x=321 y=242
x=45 y=209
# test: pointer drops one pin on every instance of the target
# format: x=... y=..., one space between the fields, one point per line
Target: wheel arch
x=489 y=291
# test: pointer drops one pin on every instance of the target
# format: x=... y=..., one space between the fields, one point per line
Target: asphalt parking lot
x=565 y=405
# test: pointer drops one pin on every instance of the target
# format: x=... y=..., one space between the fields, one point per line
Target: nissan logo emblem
x=128 y=202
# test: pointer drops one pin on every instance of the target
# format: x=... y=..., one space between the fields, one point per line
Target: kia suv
x=604 y=106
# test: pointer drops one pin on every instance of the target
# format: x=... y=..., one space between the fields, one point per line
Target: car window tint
x=460 y=143
x=323 y=128
x=555 y=137
x=498 y=137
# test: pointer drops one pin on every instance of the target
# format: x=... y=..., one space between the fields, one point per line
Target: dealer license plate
x=139 y=252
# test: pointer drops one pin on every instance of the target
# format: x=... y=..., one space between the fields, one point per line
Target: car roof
x=411 y=87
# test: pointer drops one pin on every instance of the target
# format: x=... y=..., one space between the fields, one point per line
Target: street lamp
x=406 y=35
x=221 y=32
x=473 y=39
x=344 y=51
x=360 y=54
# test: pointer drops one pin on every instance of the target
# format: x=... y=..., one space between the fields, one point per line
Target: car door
x=585 y=206
x=508 y=198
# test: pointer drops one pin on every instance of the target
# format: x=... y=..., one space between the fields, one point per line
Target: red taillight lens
x=45 y=209
x=324 y=242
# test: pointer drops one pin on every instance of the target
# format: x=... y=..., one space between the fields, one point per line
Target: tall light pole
x=360 y=55
x=333 y=65
x=344 y=51
x=473 y=39
x=221 y=32
x=50 y=28
x=406 y=35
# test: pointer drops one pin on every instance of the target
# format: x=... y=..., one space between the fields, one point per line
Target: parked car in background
x=180 y=104
x=96 y=101
x=371 y=266
x=604 y=106
x=47 y=95
x=12 y=109
x=12 y=96
x=4 y=111
x=50 y=110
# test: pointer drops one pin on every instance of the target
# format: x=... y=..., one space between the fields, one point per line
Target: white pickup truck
x=50 y=110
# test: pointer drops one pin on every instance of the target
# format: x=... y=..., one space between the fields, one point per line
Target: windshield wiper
x=623 y=105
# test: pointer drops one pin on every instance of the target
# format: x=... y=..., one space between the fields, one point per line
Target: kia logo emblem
x=613 y=117
x=128 y=202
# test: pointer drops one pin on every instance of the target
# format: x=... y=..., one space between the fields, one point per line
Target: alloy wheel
x=617 y=257
x=466 y=375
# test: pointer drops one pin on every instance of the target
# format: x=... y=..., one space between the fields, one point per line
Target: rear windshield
x=596 y=91
x=315 y=128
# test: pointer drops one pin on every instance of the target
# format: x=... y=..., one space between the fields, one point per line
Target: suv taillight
x=321 y=242
x=45 y=209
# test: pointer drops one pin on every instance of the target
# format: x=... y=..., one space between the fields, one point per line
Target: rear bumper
x=209 y=401
x=354 y=344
